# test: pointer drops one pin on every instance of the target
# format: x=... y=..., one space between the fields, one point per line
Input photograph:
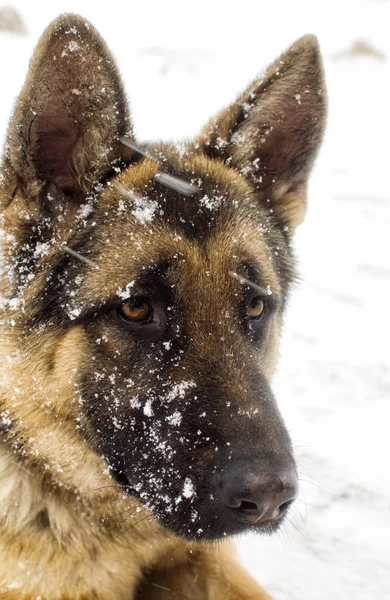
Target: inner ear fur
x=70 y=113
x=272 y=133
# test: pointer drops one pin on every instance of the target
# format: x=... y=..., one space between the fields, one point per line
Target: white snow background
x=183 y=61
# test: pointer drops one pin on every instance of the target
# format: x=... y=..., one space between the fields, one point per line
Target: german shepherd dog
x=143 y=290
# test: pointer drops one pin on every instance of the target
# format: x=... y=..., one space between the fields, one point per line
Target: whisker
x=243 y=281
x=306 y=471
x=79 y=256
x=296 y=528
x=174 y=550
x=286 y=535
x=131 y=194
x=161 y=587
x=317 y=486
x=177 y=184
x=171 y=181
x=133 y=515
x=136 y=147
x=299 y=514
x=133 y=510
x=148 y=516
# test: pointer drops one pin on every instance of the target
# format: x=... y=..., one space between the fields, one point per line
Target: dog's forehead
x=141 y=224
x=139 y=199
x=215 y=189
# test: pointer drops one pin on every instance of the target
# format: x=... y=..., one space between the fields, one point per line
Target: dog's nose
x=258 y=497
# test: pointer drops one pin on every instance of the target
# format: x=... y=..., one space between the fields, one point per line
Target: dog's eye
x=255 y=308
x=136 y=310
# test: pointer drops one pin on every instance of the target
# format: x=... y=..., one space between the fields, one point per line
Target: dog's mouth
x=199 y=516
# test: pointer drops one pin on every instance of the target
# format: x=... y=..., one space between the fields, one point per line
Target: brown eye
x=255 y=308
x=136 y=309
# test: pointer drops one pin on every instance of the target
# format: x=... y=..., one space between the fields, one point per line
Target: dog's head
x=147 y=286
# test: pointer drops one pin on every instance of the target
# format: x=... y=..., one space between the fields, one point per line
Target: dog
x=143 y=292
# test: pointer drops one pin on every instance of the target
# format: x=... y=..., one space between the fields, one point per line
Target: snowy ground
x=181 y=62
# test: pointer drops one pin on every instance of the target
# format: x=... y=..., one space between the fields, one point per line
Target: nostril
x=248 y=507
x=257 y=497
x=285 y=506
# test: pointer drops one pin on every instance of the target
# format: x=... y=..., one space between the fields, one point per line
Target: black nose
x=257 y=497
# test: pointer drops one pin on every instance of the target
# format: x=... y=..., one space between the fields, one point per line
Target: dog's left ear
x=274 y=130
x=72 y=109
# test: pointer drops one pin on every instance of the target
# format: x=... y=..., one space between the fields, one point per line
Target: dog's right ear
x=63 y=136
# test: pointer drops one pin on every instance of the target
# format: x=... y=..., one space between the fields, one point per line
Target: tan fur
x=67 y=532
x=48 y=539
x=71 y=490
